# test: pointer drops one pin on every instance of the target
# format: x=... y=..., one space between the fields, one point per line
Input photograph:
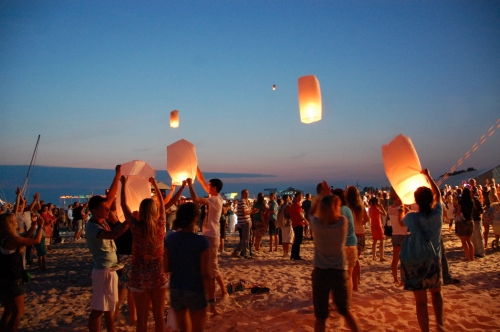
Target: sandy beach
x=59 y=298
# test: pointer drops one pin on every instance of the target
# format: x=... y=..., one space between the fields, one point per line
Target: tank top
x=11 y=264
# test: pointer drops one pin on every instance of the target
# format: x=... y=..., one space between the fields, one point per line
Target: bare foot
x=374 y=258
x=383 y=259
x=213 y=312
x=225 y=297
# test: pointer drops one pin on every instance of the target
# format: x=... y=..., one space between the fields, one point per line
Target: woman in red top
x=48 y=223
x=376 y=211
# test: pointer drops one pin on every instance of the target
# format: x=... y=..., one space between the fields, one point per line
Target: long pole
x=33 y=159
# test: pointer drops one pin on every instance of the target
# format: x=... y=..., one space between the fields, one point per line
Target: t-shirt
x=306 y=206
x=397 y=229
x=273 y=205
x=23 y=222
x=77 y=213
x=296 y=214
x=351 y=239
x=329 y=243
x=430 y=225
x=211 y=224
x=243 y=207
x=103 y=250
x=184 y=256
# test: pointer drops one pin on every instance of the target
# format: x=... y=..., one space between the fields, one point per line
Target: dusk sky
x=98 y=79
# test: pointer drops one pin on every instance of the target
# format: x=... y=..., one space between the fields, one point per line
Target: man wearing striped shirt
x=244 y=224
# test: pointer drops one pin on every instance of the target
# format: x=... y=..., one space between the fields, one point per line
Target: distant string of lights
x=476 y=146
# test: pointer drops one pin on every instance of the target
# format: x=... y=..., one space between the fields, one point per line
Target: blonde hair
x=8 y=225
x=354 y=201
x=326 y=213
x=148 y=214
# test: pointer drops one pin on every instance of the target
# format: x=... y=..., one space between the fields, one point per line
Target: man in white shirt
x=211 y=231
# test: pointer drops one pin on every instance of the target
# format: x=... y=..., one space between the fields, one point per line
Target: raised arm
x=167 y=198
x=161 y=208
x=36 y=199
x=435 y=189
x=176 y=196
x=123 y=201
x=19 y=200
x=195 y=197
x=114 y=187
x=201 y=179
x=325 y=190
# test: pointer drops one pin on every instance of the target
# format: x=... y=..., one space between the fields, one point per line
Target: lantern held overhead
x=138 y=186
x=182 y=162
x=309 y=99
x=174 y=119
x=402 y=167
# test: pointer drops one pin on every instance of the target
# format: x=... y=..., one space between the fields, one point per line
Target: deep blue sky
x=98 y=79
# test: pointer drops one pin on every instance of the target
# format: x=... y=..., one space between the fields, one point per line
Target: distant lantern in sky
x=174 y=119
x=274 y=87
x=402 y=168
x=182 y=162
x=309 y=99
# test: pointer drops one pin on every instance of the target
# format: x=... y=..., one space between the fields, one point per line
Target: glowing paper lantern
x=274 y=87
x=138 y=186
x=174 y=119
x=309 y=99
x=182 y=162
x=402 y=168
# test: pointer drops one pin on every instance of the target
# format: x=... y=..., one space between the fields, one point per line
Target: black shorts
x=272 y=227
x=223 y=222
x=12 y=289
x=187 y=300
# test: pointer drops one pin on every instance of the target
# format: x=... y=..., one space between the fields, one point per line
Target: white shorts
x=104 y=290
x=287 y=234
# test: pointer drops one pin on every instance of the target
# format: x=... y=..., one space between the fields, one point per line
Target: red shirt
x=296 y=213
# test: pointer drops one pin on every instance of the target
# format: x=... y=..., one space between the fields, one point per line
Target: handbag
x=417 y=256
x=387 y=228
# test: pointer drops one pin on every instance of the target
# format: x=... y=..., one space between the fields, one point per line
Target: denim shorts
x=187 y=300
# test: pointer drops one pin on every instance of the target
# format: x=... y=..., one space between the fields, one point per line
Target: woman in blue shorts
x=186 y=259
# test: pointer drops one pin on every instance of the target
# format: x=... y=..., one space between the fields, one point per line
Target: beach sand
x=59 y=298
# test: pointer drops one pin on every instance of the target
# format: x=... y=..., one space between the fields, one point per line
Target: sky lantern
x=182 y=162
x=309 y=99
x=138 y=186
x=174 y=119
x=274 y=86
x=402 y=168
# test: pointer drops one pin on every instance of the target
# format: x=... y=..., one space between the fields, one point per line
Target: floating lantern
x=309 y=99
x=138 y=186
x=274 y=87
x=174 y=119
x=402 y=167
x=182 y=162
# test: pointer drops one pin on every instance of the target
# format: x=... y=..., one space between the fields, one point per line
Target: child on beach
x=186 y=259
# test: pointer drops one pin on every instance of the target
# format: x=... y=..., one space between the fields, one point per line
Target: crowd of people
x=173 y=243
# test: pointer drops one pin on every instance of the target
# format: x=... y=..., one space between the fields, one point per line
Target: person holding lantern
x=429 y=221
x=211 y=231
x=100 y=241
x=148 y=279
